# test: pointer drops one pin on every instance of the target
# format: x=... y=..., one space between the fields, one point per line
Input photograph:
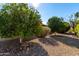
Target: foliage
x=54 y=23
x=45 y=31
x=77 y=21
x=76 y=29
x=77 y=14
x=58 y=25
x=64 y=27
x=74 y=20
x=19 y=20
x=71 y=30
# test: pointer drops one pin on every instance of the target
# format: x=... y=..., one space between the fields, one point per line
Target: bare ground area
x=53 y=45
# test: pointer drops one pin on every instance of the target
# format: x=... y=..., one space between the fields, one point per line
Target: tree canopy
x=19 y=20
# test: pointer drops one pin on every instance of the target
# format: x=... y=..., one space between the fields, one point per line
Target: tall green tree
x=18 y=19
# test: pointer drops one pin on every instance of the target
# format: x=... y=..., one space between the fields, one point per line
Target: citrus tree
x=19 y=20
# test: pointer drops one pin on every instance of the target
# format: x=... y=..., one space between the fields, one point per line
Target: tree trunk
x=20 y=40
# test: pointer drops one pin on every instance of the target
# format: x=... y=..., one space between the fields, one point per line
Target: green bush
x=76 y=30
x=64 y=27
x=54 y=23
x=58 y=25
x=19 y=20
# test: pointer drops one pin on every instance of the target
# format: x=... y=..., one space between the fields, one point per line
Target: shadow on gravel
x=37 y=50
x=34 y=49
x=73 y=42
x=49 y=41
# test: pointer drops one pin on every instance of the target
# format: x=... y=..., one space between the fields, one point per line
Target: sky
x=64 y=10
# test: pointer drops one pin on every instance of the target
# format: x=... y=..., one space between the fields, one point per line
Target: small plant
x=44 y=31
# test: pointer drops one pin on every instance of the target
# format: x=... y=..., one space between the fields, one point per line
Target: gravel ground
x=33 y=49
x=54 y=45
x=60 y=45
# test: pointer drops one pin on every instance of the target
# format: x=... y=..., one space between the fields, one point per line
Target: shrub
x=64 y=27
x=71 y=30
x=54 y=23
x=58 y=25
x=76 y=30
x=44 y=31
